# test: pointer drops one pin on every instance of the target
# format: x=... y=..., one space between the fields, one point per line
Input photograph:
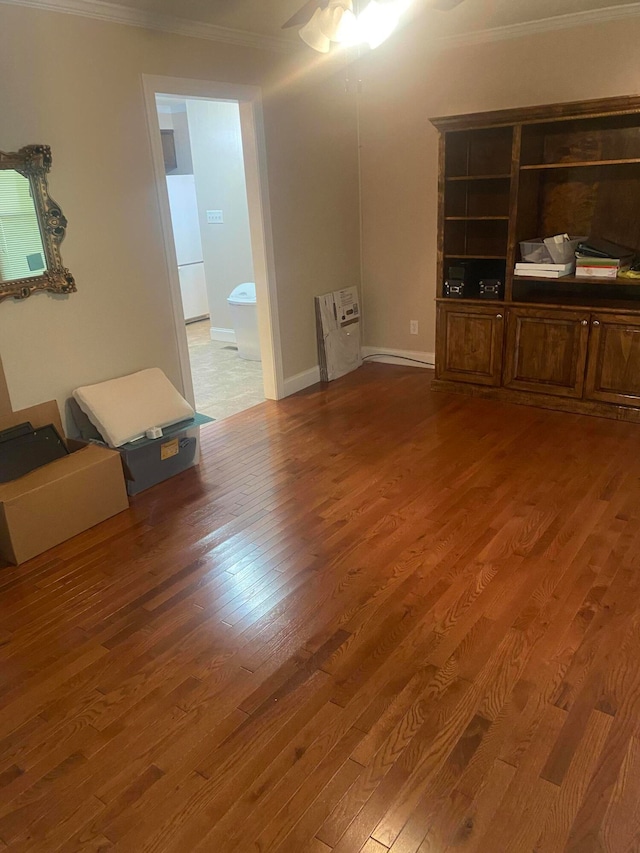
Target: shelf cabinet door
x=470 y=343
x=546 y=351
x=613 y=374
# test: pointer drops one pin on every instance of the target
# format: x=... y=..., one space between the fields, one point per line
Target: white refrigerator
x=186 y=234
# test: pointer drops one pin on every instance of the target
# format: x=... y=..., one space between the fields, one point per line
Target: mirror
x=32 y=227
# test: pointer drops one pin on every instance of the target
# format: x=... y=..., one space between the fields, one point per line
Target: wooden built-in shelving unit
x=479 y=178
x=569 y=343
x=580 y=164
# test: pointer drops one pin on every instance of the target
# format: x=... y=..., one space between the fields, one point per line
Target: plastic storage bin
x=156 y=461
x=549 y=252
x=535 y=252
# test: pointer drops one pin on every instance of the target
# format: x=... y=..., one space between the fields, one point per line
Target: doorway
x=209 y=159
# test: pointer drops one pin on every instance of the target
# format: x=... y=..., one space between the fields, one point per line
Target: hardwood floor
x=377 y=618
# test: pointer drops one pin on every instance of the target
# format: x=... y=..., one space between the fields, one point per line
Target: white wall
x=165 y=120
x=218 y=168
x=409 y=79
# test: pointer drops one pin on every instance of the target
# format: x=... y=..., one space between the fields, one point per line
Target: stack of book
x=596 y=258
x=543 y=270
x=592 y=267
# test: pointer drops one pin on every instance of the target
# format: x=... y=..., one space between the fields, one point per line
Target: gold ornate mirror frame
x=33 y=162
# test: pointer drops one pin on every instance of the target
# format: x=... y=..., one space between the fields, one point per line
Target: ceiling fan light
x=335 y=20
x=329 y=20
x=312 y=34
x=377 y=22
x=347 y=31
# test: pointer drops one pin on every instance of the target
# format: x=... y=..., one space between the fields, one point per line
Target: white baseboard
x=400 y=356
x=228 y=336
x=301 y=381
x=390 y=356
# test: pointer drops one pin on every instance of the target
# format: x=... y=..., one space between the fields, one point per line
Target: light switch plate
x=215 y=217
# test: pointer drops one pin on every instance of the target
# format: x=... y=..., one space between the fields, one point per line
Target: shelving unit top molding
x=597 y=108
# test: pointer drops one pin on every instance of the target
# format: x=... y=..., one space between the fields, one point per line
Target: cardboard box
x=61 y=499
x=5 y=402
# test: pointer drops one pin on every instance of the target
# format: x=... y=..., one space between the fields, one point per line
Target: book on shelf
x=584 y=271
x=565 y=269
x=601 y=263
x=543 y=270
x=588 y=266
x=540 y=274
x=603 y=249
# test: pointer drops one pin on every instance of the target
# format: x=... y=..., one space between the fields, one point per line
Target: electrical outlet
x=215 y=217
x=413 y=327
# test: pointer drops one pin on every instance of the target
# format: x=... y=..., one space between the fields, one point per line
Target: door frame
x=249 y=99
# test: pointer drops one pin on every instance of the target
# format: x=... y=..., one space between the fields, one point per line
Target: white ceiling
x=265 y=17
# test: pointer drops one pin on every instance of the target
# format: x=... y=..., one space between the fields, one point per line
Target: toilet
x=244 y=316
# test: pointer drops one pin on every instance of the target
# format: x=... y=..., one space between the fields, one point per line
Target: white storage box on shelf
x=244 y=316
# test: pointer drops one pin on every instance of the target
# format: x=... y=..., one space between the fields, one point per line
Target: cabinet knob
x=596 y=322
x=498 y=316
x=583 y=322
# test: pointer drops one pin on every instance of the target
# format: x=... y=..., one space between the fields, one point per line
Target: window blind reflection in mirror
x=21 y=249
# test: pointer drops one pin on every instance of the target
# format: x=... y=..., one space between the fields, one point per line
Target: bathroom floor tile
x=224 y=383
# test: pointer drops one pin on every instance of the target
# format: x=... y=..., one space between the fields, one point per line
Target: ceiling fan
x=321 y=22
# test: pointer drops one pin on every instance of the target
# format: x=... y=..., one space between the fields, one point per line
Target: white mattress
x=123 y=409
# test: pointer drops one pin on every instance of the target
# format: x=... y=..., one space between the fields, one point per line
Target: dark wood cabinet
x=509 y=177
x=470 y=343
x=169 y=150
x=546 y=351
x=613 y=374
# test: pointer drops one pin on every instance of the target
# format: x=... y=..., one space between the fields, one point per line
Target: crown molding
x=103 y=10
x=116 y=13
x=545 y=25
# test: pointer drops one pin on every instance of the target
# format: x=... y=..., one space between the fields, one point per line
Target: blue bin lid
x=243 y=294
